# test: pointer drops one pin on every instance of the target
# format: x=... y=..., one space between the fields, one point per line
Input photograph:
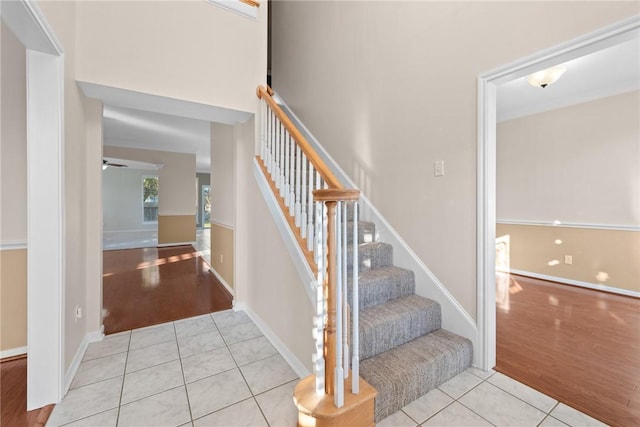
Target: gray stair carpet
x=403 y=350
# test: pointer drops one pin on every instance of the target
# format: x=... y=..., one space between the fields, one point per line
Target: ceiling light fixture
x=546 y=77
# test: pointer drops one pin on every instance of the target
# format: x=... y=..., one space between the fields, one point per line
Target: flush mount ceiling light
x=546 y=77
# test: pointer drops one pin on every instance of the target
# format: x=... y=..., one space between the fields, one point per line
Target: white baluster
x=297 y=208
x=276 y=160
x=339 y=372
x=320 y=324
x=355 y=335
x=269 y=142
x=310 y=207
x=292 y=170
x=303 y=206
x=287 y=159
x=281 y=158
x=345 y=303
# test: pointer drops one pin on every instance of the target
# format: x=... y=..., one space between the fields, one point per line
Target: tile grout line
x=184 y=380
x=124 y=374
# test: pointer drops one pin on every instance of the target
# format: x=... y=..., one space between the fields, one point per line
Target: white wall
x=265 y=278
x=222 y=174
x=577 y=164
x=189 y=50
x=176 y=192
x=122 y=199
x=391 y=87
x=13 y=140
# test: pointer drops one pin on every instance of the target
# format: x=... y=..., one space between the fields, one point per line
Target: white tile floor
x=219 y=370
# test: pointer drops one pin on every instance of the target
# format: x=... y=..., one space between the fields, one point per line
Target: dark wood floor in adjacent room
x=13 y=395
x=579 y=346
x=143 y=287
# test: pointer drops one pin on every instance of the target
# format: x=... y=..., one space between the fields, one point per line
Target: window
x=150 y=198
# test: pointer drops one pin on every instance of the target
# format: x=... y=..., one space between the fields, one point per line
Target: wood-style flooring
x=579 y=346
x=148 y=286
x=141 y=287
x=13 y=395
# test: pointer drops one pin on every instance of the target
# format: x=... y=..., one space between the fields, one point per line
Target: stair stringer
x=297 y=257
x=454 y=317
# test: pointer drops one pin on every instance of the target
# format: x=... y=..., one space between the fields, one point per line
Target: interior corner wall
x=266 y=279
x=223 y=203
x=13 y=193
x=61 y=16
x=176 y=195
x=388 y=101
x=578 y=166
x=93 y=209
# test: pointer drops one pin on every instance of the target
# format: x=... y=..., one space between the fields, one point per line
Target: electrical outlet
x=438 y=168
x=568 y=259
x=78 y=313
x=221 y=259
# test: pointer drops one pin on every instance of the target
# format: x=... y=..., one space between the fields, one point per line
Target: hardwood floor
x=143 y=287
x=13 y=395
x=579 y=346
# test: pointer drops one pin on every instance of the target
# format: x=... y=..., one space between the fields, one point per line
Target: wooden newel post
x=331 y=197
x=330 y=296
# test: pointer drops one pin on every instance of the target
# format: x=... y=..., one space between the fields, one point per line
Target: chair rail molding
x=486 y=159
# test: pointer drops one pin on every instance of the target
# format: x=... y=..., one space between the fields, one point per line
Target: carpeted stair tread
x=366 y=232
x=396 y=322
x=383 y=284
x=405 y=373
x=372 y=255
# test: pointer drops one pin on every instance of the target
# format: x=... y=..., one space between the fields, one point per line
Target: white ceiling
x=607 y=72
x=145 y=121
x=151 y=122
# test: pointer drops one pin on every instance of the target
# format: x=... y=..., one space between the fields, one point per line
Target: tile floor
x=219 y=370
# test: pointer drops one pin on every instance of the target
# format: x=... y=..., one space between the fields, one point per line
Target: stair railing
x=322 y=215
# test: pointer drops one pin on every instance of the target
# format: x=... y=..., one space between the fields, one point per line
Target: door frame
x=486 y=162
x=45 y=190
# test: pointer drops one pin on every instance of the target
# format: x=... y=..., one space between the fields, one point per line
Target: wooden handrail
x=253 y=3
x=314 y=158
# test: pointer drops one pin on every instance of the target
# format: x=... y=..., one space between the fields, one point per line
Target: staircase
x=387 y=337
x=403 y=350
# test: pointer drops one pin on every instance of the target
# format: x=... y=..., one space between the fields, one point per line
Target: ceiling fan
x=106 y=163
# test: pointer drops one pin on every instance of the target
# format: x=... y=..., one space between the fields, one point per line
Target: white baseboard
x=164 y=245
x=224 y=282
x=284 y=351
x=77 y=359
x=13 y=352
x=610 y=289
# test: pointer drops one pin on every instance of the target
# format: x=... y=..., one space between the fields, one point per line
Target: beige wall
x=222 y=251
x=79 y=151
x=577 y=164
x=176 y=229
x=188 y=50
x=580 y=165
x=13 y=192
x=176 y=195
x=13 y=140
x=222 y=174
x=389 y=88
x=599 y=257
x=13 y=299
x=266 y=279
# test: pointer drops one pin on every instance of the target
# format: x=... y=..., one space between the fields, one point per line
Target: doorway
x=486 y=165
